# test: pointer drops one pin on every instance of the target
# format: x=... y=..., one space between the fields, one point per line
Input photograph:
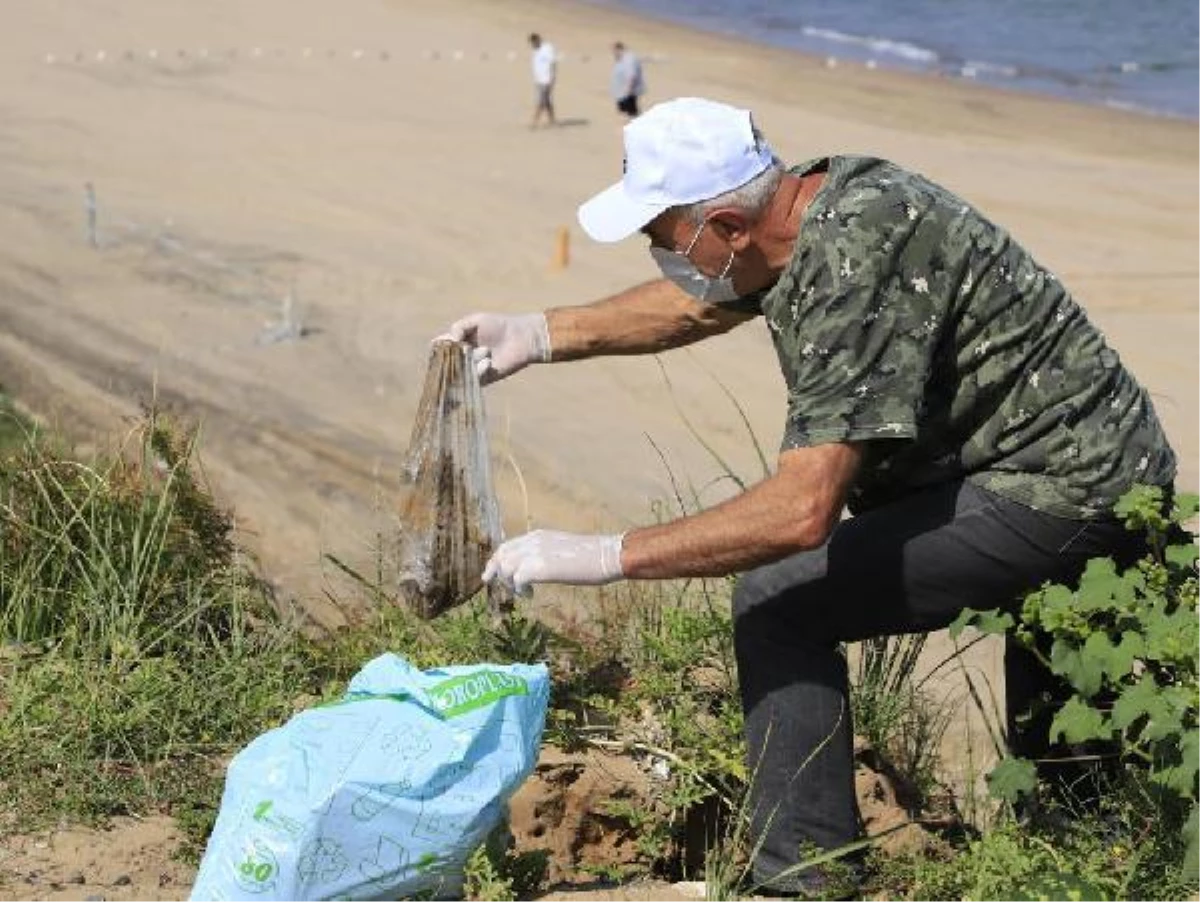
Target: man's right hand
x=502 y=344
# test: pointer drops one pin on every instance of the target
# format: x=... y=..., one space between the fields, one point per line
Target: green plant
x=140 y=650
x=123 y=603
x=483 y=879
x=496 y=873
x=893 y=713
x=1010 y=864
x=519 y=638
x=1093 y=856
x=119 y=554
x=16 y=431
x=682 y=707
x=1127 y=643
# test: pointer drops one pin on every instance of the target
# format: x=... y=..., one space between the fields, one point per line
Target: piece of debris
x=449 y=518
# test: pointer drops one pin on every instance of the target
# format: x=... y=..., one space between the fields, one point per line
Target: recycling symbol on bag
x=256 y=872
x=321 y=861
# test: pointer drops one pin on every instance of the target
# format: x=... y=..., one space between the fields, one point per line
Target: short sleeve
x=856 y=321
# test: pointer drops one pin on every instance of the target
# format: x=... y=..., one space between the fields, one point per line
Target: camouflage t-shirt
x=907 y=320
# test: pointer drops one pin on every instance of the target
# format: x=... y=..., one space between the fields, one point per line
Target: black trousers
x=909 y=567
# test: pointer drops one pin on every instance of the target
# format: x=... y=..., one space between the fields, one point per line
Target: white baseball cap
x=679 y=152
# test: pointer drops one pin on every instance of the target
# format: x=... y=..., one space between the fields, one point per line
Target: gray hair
x=752 y=197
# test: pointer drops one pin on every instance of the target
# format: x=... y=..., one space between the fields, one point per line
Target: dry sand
x=268 y=149
x=372 y=160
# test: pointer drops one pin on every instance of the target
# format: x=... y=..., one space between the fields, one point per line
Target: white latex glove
x=549 y=556
x=500 y=343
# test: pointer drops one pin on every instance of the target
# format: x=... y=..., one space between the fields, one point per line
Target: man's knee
x=799 y=579
x=780 y=602
x=748 y=592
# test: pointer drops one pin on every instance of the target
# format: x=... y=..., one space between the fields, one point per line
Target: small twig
x=632 y=745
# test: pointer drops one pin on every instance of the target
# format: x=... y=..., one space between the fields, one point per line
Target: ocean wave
x=983 y=67
x=1127 y=67
x=1084 y=51
x=901 y=49
x=1129 y=106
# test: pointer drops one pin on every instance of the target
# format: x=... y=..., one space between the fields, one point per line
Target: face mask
x=678 y=267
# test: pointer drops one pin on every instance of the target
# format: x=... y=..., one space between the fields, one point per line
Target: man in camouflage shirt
x=941 y=384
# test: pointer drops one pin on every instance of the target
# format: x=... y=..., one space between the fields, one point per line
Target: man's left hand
x=549 y=556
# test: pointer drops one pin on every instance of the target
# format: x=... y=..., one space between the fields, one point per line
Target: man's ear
x=732 y=226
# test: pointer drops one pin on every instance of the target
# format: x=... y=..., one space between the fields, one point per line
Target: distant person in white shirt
x=627 y=84
x=545 y=67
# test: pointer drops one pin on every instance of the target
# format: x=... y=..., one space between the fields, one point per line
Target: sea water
x=1116 y=53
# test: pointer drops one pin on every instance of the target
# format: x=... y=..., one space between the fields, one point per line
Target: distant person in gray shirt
x=627 y=84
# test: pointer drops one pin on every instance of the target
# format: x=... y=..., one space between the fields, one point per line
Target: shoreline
x=865 y=60
x=981 y=109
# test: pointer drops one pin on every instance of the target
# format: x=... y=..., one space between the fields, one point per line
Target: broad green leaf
x=1057 y=608
x=1191 y=839
x=1068 y=662
x=1112 y=661
x=1169 y=718
x=1012 y=778
x=1181 y=777
x=1186 y=505
x=1171 y=637
x=1078 y=722
x=1142 y=699
x=1182 y=555
x=1101 y=587
x=993 y=621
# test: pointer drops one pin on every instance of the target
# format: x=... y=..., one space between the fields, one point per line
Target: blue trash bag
x=383 y=793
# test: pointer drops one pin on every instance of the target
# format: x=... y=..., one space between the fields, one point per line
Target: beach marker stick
x=562 y=249
x=89 y=206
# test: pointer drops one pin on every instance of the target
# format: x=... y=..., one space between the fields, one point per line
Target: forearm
x=794 y=510
x=738 y=535
x=648 y=318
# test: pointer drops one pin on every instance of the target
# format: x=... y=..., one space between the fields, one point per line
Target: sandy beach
x=375 y=167
x=291 y=198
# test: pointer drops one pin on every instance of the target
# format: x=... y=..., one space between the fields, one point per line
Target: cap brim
x=612 y=216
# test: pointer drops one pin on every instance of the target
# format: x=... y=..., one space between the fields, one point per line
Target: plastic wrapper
x=449 y=517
